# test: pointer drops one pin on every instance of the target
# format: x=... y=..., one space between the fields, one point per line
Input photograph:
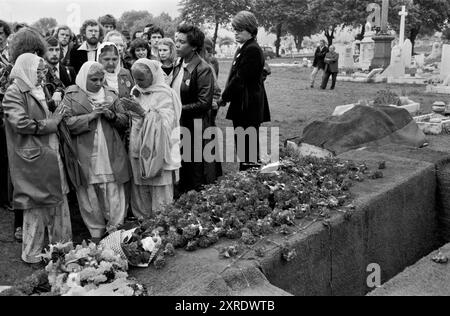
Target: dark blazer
x=332 y=62
x=78 y=58
x=319 y=57
x=65 y=60
x=197 y=91
x=67 y=75
x=245 y=87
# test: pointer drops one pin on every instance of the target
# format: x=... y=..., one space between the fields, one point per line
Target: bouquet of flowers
x=85 y=270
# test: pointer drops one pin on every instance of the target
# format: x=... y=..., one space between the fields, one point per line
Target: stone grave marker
x=445 y=62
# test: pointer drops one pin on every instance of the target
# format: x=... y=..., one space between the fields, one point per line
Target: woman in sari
x=95 y=118
x=155 y=139
x=37 y=170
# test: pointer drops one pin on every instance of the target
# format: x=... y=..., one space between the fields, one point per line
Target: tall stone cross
x=384 y=16
x=403 y=14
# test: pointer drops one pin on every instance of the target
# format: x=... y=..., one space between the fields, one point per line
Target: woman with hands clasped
x=155 y=138
x=37 y=170
x=95 y=118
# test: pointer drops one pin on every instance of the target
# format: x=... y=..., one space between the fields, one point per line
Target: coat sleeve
x=122 y=119
x=249 y=70
x=205 y=92
x=15 y=114
x=77 y=124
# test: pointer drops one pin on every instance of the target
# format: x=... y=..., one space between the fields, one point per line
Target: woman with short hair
x=194 y=83
x=245 y=90
x=139 y=49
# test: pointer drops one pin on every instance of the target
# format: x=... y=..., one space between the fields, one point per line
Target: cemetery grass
x=293 y=106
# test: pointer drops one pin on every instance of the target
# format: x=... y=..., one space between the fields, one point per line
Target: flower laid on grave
x=85 y=270
x=248 y=206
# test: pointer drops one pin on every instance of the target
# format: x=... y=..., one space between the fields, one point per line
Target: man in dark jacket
x=64 y=36
x=319 y=61
x=245 y=91
x=65 y=74
x=331 y=68
x=92 y=32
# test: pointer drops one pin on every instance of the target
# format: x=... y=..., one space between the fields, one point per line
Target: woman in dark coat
x=245 y=90
x=194 y=83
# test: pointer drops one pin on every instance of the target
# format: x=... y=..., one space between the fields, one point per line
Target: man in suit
x=92 y=32
x=65 y=74
x=319 y=61
x=64 y=36
x=331 y=68
x=245 y=91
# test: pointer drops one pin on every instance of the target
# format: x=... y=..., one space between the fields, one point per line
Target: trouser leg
x=33 y=234
x=326 y=78
x=247 y=144
x=141 y=201
x=114 y=201
x=334 y=78
x=91 y=210
x=314 y=75
x=59 y=227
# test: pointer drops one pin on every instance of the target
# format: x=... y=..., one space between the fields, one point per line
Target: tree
x=225 y=41
x=283 y=16
x=424 y=17
x=446 y=34
x=45 y=25
x=131 y=19
x=212 y=11
x=331 y=14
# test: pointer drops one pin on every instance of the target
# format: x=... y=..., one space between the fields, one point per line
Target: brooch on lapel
x=128 y=84
x=188 y=82
x=136 y=93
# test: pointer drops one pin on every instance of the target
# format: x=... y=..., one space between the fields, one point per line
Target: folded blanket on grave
x=364 y=126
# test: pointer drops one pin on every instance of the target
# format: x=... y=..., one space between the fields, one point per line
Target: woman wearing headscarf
x=37 y=171
x=155 y=138
x=95 y=117
x=117 y=78
x=194 y=83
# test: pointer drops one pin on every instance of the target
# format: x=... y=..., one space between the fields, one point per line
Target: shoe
x=18 y=234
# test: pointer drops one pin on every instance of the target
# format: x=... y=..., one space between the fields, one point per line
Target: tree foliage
x=212 y=11
x=424 y=16
x=45 y=25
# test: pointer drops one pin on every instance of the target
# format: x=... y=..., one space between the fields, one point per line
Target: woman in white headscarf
x=117 y=77
x=37 y=171
x=95 y=118
x=155 y=138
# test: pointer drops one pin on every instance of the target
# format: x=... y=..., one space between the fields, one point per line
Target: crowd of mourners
x=93 y=121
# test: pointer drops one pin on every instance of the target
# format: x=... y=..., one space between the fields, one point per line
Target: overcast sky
x=65 y=11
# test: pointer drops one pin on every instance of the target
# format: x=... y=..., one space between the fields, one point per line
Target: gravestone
x=367 y=48
x=347 y=61
x=397 y=67
x=407 y=53
x=420 y=60
x=445 y=62
x=382 y=41
x=436 y=53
